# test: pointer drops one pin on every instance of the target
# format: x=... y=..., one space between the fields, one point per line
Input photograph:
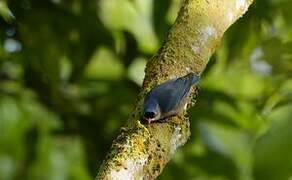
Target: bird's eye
x=149 y=115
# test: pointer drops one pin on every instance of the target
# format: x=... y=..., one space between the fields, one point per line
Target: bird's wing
x=174 y=92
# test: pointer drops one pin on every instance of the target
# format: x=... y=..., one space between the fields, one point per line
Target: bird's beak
x=147 y=121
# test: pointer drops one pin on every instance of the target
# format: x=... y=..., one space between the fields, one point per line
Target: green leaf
x=133 y=16
x=104 y=65
x=273 y=158
x=136 y=70
x=230 y=142
x=5 y=12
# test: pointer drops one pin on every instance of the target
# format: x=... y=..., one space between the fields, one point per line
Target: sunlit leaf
x=5 y=12
x=104 y=65
x=133 y=16
x=136 y=70
x=173 y=11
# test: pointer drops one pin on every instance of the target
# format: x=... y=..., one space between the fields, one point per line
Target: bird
x=168 y=99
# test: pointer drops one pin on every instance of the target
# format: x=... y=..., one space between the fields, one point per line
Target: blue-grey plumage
x=168 y=98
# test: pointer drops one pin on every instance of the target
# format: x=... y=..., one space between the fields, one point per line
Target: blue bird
x=168 y=99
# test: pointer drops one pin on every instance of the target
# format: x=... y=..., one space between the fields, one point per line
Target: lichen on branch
x=142 y=151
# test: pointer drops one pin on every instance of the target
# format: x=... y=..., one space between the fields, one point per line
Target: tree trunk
x=142 y=151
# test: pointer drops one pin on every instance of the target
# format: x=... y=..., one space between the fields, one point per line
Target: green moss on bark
x=142 y=151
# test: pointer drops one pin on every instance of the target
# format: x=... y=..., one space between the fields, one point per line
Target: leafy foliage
x=70 y=72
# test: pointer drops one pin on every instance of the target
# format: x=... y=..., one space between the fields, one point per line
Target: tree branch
x=141 y=151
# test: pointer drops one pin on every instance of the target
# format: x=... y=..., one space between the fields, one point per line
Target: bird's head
x=151 y=111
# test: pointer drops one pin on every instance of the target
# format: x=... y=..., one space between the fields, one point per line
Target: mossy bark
x=141 y=151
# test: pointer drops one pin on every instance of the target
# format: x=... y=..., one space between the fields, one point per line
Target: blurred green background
x=70 y=71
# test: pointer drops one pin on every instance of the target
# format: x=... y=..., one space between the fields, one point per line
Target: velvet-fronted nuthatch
x=168 y=99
